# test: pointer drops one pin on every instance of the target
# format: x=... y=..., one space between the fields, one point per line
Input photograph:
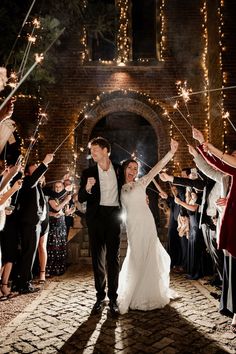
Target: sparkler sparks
x=36 y=23
x=32 y=39
x=226 y=116
x=12 y=81
x=183 y=90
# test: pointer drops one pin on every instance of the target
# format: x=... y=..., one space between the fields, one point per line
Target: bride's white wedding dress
x=144 y=276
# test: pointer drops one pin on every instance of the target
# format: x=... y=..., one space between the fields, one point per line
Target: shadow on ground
x=162 y=330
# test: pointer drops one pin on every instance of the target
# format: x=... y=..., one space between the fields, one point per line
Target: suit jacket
x=31 y=201
x=93 y=199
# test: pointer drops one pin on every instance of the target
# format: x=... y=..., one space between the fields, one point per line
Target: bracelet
x=221 y=159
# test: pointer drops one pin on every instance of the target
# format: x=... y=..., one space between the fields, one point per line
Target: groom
x=99 y=187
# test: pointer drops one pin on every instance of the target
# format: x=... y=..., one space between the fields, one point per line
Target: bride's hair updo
x=124 y=166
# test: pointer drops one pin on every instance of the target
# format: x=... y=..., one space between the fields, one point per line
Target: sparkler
x=33 y=139
x=175 y=106
x=31 y=40
x=167 y=115
x=38 y=59
x=71 y=132
x=184 y=93
x=132 y=155
x=204 y=91
x=22 y=26
x=226 y=116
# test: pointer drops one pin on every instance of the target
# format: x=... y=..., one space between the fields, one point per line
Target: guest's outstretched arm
x=224 y=157
x=205 y=167
x=16 y=186
x=190 y=207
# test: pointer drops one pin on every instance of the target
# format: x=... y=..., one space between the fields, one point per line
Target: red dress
x=227 y=236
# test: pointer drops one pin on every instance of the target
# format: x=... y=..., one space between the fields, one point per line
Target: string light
x=224 y=115
x=205 y=68
x=162 y=30
x=123 y=40
x=83 y=41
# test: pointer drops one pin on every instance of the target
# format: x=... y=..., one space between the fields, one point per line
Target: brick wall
x=79 y=85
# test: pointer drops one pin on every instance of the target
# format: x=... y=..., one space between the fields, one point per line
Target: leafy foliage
x=100 y=21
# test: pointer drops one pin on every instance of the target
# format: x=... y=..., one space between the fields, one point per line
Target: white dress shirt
x=108 y=186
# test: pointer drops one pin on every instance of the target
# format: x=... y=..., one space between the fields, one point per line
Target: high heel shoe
x=42 y=281
x=5 y=296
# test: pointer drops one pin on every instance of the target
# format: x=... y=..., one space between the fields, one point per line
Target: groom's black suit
x=104 y=234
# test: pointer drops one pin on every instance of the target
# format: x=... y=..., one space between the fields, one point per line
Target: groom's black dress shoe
x=98 y=306
x=114 y=308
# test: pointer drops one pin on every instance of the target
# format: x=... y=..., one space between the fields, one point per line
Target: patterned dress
x=57 y=244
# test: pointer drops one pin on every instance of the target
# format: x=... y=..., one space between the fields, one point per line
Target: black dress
x=56 y=245
x=174 y=241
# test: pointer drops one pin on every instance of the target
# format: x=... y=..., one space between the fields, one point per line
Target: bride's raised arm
x=161 y=164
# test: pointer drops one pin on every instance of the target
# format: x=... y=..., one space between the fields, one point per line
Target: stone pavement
x=58 y=320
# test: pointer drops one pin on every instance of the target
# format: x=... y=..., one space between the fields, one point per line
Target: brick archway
x=119 y=101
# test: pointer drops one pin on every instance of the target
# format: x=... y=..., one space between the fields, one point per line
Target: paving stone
x=28 y=337
x=164 y=342
x=229 y=335
x=5 y=349
x=168 y=350
x=24 y=347
x=48 y=350
x=60 y=322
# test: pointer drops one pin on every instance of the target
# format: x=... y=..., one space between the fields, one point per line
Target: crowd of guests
x=34 y=229
x=34 y=224
x=201 y=238
x=35 y=221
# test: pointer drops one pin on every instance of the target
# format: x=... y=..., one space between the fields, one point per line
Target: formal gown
x=144 y=276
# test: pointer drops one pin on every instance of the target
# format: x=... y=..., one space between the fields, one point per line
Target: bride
x=144 y=276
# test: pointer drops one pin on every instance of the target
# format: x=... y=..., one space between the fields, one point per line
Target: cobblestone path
x=58 y=320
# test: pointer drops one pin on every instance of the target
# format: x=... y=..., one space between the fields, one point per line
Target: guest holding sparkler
x=212 y=212
x=198 y=263
x=42 y=246
x=174 y=242
x=9 y=236
x=57 y=237
x=32 y=211
x=226 y=240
